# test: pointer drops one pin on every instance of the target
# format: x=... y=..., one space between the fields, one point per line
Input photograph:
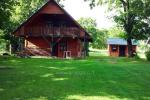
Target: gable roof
x=119 y=41
x=25 y=22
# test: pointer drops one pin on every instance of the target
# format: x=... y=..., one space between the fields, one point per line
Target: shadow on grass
x=5 y=68
x=93 y=78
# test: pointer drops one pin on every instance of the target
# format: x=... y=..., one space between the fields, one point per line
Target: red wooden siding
x=45 y=30
x=116 y=53
x=40 y=47
x=112 y=53
x=72 y=45
x=37 y=46
x=51 y=8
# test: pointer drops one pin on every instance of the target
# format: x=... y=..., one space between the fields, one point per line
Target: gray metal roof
x=119 y=41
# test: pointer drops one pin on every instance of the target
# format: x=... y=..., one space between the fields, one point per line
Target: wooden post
x=85 y=45
x=10 y=49
x=49 y=30
x=52 y=44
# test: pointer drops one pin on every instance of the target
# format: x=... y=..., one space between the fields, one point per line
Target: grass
x=94 y=78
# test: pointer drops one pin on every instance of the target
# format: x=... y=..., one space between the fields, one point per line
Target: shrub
x=147 y=53
x=136 y=56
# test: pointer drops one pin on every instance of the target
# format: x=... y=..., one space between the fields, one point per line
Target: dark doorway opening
x=55 y=49
x=122 y=50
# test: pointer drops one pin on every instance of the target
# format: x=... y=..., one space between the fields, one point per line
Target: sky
x=79 y=8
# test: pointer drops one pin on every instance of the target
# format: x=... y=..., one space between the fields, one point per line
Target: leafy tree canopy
x=132 y=15
x=116 y=32
x=99 y=36
x=6 y=10
x=87 y=22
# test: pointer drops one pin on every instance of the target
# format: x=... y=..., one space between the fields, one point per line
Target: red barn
x=51 y=31
x=118 y=47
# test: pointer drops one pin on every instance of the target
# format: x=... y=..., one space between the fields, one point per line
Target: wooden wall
x=73 y=45
x=40 y=47
x=51 y=8
x=116 y=53
x=37 y=46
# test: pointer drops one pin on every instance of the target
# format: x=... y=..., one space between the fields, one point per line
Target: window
x=113 y=48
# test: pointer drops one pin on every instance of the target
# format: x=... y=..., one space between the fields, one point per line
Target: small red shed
x=51 y=31
x=118 y=47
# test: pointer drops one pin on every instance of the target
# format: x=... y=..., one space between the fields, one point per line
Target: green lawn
x=95 y=78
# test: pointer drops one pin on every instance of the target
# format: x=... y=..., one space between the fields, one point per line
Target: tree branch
x=123 y=2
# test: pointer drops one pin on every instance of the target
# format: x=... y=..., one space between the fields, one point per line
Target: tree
x=99 y=36
x=116 y=32
x=6 y=7
x=132 y=15
x=87 y=22
x=6 y=11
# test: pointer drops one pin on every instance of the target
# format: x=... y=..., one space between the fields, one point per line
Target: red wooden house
x=51 y=31
x=118 y=47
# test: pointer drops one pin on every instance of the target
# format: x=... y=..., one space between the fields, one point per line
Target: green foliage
x=99 y=36
x=132 y=15
x=6 y=25
x=133 y=21
x=27 y=7
x=2 y=42
x=1 y=34
x=87 y=22
x=147 y=53
x=6 y=8
x=116 y=32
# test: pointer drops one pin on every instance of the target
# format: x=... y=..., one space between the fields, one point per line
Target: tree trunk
x=129 y=43
x=84 y=45
x=7 y=46
x=10 y=49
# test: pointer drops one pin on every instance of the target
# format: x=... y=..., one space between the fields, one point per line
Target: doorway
x=122 y=50
x=55 y=49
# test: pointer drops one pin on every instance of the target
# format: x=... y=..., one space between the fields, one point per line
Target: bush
x=147 y=53
x=136 y=56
